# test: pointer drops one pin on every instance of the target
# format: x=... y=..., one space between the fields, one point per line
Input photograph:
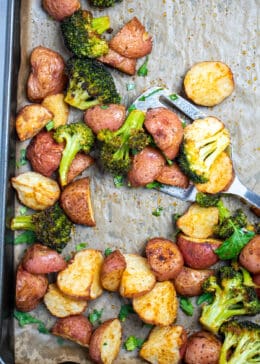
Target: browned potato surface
x=76 y=328
x=81 y=162
x=105 y=342
x=208 y=83
x=202 y=348
x=166 y=129
x=189 y=281
x=132 y=40
x=249 y=257
x=101 y=117
x=164 y=258
x=47 y=75
x=172 y=175
x=146 y=166
x=112 y=270
x=40 y=259
x=30 y=120
x=76 y=202
x=116 y=60
x=60 y=9
x=198 y=253
x=59 y=108
x=30 y=288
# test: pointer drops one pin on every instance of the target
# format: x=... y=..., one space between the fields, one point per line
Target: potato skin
x=202 y=348
x=116 y=60
x=76 y=328
x=172 y=175
x=112 y=269
x=30 y=289
x=164 y=258
x=249 y=257
x=189 y=281
x=81 y=162
x=60 y=9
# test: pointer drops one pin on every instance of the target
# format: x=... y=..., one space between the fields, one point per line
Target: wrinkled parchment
x=184 y=32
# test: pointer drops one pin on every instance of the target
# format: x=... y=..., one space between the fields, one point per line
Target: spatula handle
x=184 y=106
x=238 y=189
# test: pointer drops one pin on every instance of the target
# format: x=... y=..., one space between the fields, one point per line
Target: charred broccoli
x=81 y=33
x=117 y=145
x=230 y=223
x=204 y=140
x=51 y=226
x=104 y=3
x=90 y=84
x=78 y=137
x=241 y=344
x=207 y=200
x=231 y=298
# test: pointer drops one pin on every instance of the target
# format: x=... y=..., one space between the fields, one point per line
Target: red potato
x=146 y=167
x=101 y=117
x=166 y=129
x=60 y=9
x=198 y=253
x=202 y=348
x=30 y=289
x=81 y=162
x=115 y=60
x=112 y=270
x=40 y=259
x=249 y=257
x=189 y=281
x=172 y=175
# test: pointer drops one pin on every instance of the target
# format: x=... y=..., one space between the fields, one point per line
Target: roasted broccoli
x=204 y=140
x=104 y=3
x=81 y=33
x=207 y=200
x=78 y=137
x=241 y=344
x=90 y=84
x=230 y=223
x=117 y=145
x=231 y=298
x=51 y=226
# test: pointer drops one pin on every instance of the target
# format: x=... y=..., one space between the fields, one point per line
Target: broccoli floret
x=204 y=140
x=231 y=298
x=78 y=137
x=117 y=145
x=241 y=344
x=90 y=84
x=104 y=3
x=207 y=200
x=81 y=33
x=51 y=226
x=229 y=224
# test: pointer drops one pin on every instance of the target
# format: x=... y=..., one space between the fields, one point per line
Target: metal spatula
x=158 y=97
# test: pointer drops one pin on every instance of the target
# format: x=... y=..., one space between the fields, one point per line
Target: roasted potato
x=36 y=191
x=159 y=306
x=198 y=222
x=208 y=83
x=202 y=348
x=75 y=328
x=76 y=202
x=198 y=253
x=112 y=270
x=61 y=305
x=81 y=162
x=164 y=258
x=81 y=278
x=60 y=9
x=172 y=175
x=189 y=281
x=137 y=278
x=30 y=120
x=58 y=107
x=40 y=259
x=116 y=60
x=249 y=257
x=47 y=75
x=30 y=288
x=105 y=342
x=164 y=345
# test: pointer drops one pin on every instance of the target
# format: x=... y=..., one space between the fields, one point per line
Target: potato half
x=58 y=107
x=112 y=271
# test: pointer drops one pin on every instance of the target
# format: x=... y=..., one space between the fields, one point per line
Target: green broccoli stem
x=100 y=24
x=229 y=341
x=133 y=122
x=68 y=154
x=246 y=350
x=22 y=223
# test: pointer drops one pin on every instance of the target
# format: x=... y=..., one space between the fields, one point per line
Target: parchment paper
x=184 y=32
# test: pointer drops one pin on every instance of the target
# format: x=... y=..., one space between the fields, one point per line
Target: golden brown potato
x=202 y=348
x=132 y=41
x=164 y=345
x=249 y=257
x=36 y=191
x=61 y=305
x=58 y=107
x=198 y=222
x=208 y=83
x=76 y=202
x=81 y=162
x=159 y=306
x=137 y=278
x=172 y=175
x=75 y=328
x=105 y=342
x=60 y=9
x=112 y=271
x=115 y=60
x=198 y=253
x=30 y=288
x=47 y=75
x=189 y=281
x=81 y=278
x=164 y=258
x=31 y=119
